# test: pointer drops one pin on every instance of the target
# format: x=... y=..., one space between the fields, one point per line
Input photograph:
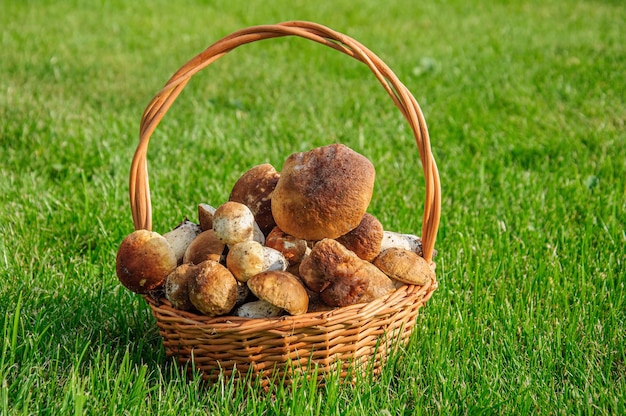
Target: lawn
x=525 y=107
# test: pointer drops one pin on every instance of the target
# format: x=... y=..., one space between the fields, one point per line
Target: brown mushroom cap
x=281 y=289
x=177 y=286
x=206 y=246
x=245 y=259
x=214 y=290
x=233 y=222
x=336 y=273
x=293 y=248
x=205 y=216
x=144 y=260
x=365 y=239
x=254 y=189
x=181 y=236
x=405 y=266
x=323 y=193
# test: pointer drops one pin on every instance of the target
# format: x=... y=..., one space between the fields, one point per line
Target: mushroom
x=205 y=216
x=254 y=189
x=206 y=246
x=258 y=309
x=340 y=276
x=405 y=266
x=323 y=193
x=365 y=239
x=144 y=260
x=233 y=223
x=249 y=258
x=177 y=286
x=181 y=236
x=281 y=289
x=213 y=291
x=405 y=241
x=294 y=249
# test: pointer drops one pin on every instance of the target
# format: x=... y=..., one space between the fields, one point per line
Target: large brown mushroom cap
x=323 y=193
x=254 y=189
x=281 y=289
x=214 y=289
x=144 y=260
x=339 y=275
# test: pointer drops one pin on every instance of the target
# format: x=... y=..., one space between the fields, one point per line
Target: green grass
x=525 y=106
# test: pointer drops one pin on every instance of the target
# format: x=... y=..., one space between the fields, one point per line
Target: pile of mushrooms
x=292 y=242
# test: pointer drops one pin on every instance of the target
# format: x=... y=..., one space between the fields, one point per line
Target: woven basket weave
x=317 y=343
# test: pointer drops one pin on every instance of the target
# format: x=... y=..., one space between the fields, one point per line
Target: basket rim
x=139 y=189
x=242 y=326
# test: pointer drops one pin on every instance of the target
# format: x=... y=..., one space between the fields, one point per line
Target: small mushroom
x=213 y=291
x=254 y=189
x=365 y=239
x=281 y=289
x=405 y=266
x=233 y=223
x=144 y=260
x=249 y=258
x=177 y=286
x=293 y=248
x=206 y=246
x=323 y=193
x=258 y=309
x=205 y=216
x=181 y=236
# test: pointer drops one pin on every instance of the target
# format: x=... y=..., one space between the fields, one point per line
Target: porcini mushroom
x=323 y=193
x=405 y=266
x=293 y=248
x=254 y=189
x=340 y=276
x=249 y=258
x=365 y=239
x=144 y=260
x=206 y=246
x=205 y=216
x=213 y=291
x=281 y=289
x=233 y=222
x=177 y=286
x=258 y=309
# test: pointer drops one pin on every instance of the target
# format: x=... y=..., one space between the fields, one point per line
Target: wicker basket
x=336 y=341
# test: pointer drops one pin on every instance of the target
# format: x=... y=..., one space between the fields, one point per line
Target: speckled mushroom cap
x=365 y=239
x=213 y=290
x=254 y=189
x=281 y=289
x=144 y=260
x=332 y=268
x=323 y=193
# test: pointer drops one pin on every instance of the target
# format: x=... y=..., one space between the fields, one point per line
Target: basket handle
x=403 y=99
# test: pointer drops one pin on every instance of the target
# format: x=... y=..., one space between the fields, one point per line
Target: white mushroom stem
x=258 y=309
x=409 y=242
x=181 y=236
